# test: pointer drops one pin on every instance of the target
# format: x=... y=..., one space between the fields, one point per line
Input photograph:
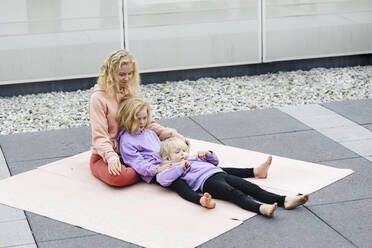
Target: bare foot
x=268 y=210
x=207 y=201
x=291 y=202
x=261 y=171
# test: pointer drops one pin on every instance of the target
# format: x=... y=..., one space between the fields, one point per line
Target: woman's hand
x=114 y=167
x=202 y=154
x=163 y=167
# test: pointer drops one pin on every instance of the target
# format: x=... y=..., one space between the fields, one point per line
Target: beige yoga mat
x=142 y=214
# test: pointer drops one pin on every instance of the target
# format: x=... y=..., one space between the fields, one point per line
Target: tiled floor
x=335 y=134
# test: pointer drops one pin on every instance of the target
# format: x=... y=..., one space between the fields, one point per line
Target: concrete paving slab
x=362 y=147
x=49 y=144
x=368 y=126
x=23 y=166
x=341 y=134
x=4 y=172
x=358 y=111
x=46 y=229
x=353 y=187
x=25 y=246
x=306 y=110
x=317 y=117
x=188 y=128
x=94 y=241
x=295 y=228
x=10 y=214
x=249 y=123
x=352 y=219
x=305 y=145
x=15 y=233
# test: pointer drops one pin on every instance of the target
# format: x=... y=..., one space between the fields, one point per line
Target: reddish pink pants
x=99 y=169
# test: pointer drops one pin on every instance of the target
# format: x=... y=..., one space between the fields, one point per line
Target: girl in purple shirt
x=140 y=147
x=201 y=173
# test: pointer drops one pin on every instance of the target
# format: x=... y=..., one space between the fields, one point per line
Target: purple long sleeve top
x=195 y=176
x=141 y=152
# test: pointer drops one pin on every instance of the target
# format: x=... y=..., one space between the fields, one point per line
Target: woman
x=118 y=78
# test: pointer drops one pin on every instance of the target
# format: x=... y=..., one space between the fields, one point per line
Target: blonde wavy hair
x=170 y=143
x=110 y=67
x=127 y=114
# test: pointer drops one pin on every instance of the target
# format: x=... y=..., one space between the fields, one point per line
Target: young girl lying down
x=201 y=173
x=140 y=149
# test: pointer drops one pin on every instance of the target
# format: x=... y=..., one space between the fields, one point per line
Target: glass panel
x=174 y=34
x=316 y=28
x=51 y=39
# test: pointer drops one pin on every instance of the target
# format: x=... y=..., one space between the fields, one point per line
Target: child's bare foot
x=291 y=202
x=261 y=171
x=268 y=210
x=207 y=201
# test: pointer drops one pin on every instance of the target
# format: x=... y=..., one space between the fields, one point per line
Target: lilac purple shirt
x=195 y=176
x=141 y=152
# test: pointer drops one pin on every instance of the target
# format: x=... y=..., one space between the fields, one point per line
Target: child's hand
x=202 y=154
x=163 y=168
x=185 y=165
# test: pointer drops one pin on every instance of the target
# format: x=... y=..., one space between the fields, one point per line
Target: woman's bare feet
x=268 y=210
x=262 y=170
x=291 y=202
x=207 y=201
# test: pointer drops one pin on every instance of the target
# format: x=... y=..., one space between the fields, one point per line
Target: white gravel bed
x=55 y=110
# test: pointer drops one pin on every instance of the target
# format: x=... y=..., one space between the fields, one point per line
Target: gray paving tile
x=4 y=172
x=249 y=123
x=369 y=127
x=340 y=134
x=316 y=116
x=10 y=214
x=362 y=147
x=353 y=187
x=94 y=241
x=305 y=145
x=39 y=145
x=188 y=128
x=46 y=229
x=25 y=246
x=15 y=233
x=352 y=219
x=357 y=110
x=23 y=166
x=295 y=228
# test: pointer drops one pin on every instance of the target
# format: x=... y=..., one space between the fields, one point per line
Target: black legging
x=239 y=191
x=184 y=190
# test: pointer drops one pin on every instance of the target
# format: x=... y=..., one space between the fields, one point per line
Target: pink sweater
x=105 y=127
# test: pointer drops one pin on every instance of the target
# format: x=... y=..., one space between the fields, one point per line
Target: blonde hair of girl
x=110 y=67
x=170 y=143
x=128 y=110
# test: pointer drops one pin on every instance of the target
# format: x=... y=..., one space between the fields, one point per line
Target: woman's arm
x=164 y=132
x=100 y=134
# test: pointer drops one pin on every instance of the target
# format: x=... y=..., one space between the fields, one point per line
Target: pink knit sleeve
x=164 y=132
x=100 y=134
